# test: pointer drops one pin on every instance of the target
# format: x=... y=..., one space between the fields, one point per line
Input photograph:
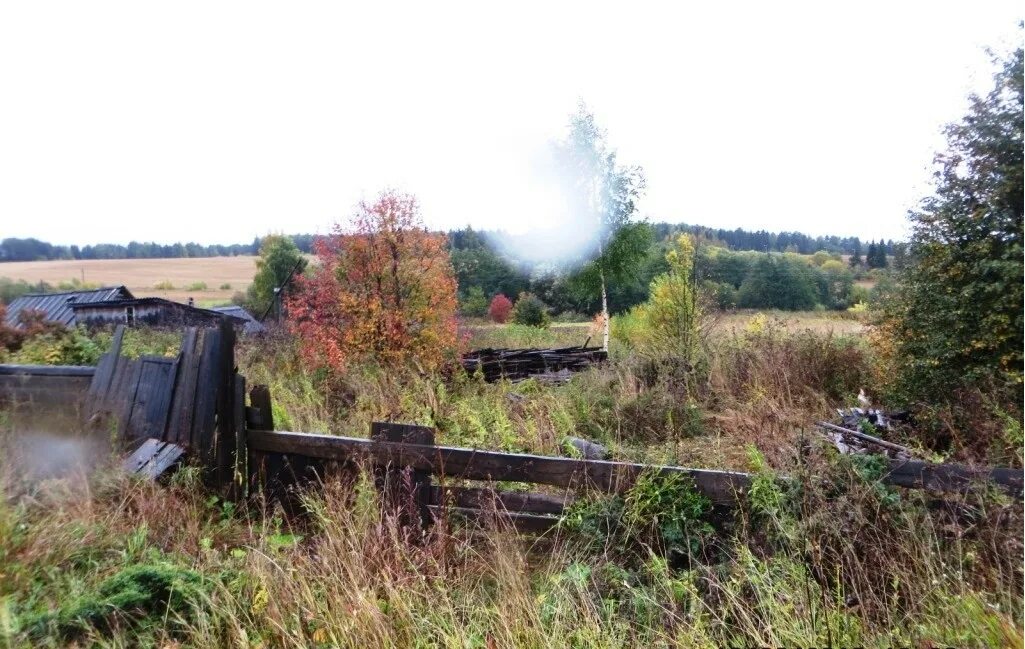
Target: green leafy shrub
x=225 y=286
x=196 y=286
x=531 y=311
x=475 y=303
x=663 y=512
x=165 y=285
x=69 y=347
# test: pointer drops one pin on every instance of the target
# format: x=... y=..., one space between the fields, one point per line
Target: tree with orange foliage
x=500 y=308
x=384 y=291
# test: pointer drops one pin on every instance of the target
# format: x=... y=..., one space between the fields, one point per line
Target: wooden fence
x=196 y=404
x=45 y=386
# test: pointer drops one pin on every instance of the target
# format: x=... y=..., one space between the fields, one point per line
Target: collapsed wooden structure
x=196 y=405
x=553 y=365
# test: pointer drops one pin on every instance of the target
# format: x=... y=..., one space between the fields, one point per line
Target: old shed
x=150 y=311
x=56 y=307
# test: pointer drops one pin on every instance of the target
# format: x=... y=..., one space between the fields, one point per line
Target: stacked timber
x=550 y=365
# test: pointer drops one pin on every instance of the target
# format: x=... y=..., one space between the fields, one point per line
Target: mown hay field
x=142 y=276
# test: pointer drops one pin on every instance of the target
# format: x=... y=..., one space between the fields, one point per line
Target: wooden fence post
x=240 y=475
x=224 y=435
x=405 y=491
x=263 y=467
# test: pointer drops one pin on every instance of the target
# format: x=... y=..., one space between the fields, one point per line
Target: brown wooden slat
x=522 y=523
x=85 y=371
x=408 y=495
x=224 y=439
x=111 y=400
x=179 y=427
x=241 y=457
x=512 y=501
x=204 y=409
x=152 y=458
x=916 y=474
x=264 y=468
x=719 y=486
x=152 y=398
x=259 y=396
x=105 y=368
x=124 y=399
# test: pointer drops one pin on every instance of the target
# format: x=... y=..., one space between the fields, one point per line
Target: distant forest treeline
x=13 y=249
x=796 y=272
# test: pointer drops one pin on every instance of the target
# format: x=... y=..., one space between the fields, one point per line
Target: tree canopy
x=279 y=258
x=602 y=196
x=956 y=318
x=384 y=291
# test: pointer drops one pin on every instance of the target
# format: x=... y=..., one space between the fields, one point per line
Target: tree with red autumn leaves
x=500 y=308
x=384 y=291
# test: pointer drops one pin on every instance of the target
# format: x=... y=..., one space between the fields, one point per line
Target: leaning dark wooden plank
x=146 y=451
x=865 y=438
x=512 y=501
x=950 y=477
x=152 y=458
x=164 y=460
x=179 y=427
x=105 y=368
x=719 y=486
x=208 y=380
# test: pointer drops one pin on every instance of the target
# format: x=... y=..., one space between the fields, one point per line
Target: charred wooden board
x=518 y=364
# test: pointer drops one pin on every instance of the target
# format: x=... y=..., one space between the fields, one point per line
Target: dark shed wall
x=153 y=315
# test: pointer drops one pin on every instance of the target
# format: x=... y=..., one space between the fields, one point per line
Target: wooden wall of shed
x=151 y=315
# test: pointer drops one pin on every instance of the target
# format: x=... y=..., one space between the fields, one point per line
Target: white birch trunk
x=604 y=296
x=604 y=313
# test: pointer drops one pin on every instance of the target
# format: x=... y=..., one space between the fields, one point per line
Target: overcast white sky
x=217 y=121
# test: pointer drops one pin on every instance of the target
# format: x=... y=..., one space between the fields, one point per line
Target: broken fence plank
x=152 y=458
x=719 y=486
x=511 y=501
x=179 y=425
x=522 y=523
x=406 y=489
x=916 y=474
x=48 y=370
x=857 y=434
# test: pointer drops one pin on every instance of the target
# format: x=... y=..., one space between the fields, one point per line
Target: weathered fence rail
x=195 y=405
x=54 y=385
x=495 y=466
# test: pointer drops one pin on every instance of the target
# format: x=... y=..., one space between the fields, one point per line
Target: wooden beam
x=47 y=370
x=719 y=486
x=259 y=397
x=240 y=475
x=522 y=523
x=916 y=474
x=406 y=489
x=511 y=501
x=857 y=434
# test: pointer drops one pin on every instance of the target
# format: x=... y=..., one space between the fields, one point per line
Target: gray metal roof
x=56 y=307
x=253 y=326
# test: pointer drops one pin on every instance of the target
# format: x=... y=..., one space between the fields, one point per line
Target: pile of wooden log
x=548 y=365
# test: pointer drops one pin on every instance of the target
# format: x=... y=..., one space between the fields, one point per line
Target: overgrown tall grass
x=113 y=561
x=824 y=556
